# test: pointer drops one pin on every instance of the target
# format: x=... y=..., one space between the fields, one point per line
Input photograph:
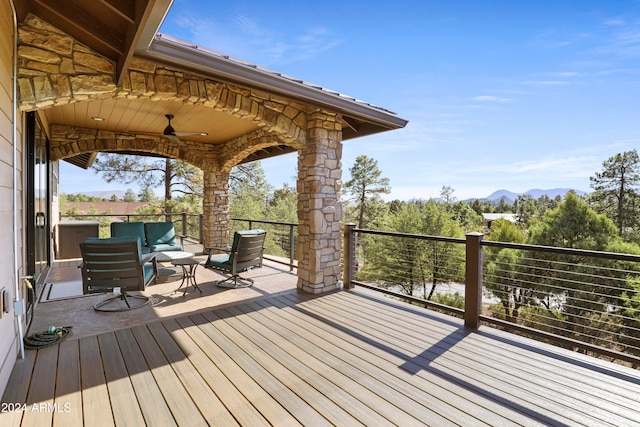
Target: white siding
x=8 y=324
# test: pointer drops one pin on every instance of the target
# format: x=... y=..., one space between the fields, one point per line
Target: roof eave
x=192 y=59
x=149 y=16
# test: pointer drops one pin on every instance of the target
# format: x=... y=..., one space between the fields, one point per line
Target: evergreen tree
x=248 y=191
x=615 y=189
x=365 y=186
x=130 y=196
x=149 y=172
x=146 y=195
x=408 y=264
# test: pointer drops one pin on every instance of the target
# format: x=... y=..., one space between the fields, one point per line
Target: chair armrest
x=227 y=249
x=148 y=257
x=151 y=257
x=210 y=251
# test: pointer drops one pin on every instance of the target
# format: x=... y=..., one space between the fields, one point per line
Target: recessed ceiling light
x=203 y=134
x=97 y=119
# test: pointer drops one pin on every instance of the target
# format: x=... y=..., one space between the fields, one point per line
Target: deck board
x=237 y=405
x=525 y=381
x=316 y=375
x=197 y=327
x=373 y=362
x=17 y=390
x=244 y=354
x=197 y=388
x=68 y=386
x=359 y=392
x=444 y=399
x=154 y=409
x=184 y=410
x=344 y=358
x=450 y=362
x=123 y=403
x=96 y=405
x=42 y=396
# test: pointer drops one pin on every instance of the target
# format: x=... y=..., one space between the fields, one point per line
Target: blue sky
x=499 y=94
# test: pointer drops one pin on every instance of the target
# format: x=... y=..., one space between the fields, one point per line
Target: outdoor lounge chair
x=116 y=265
x=154 y=236
x=245 y=253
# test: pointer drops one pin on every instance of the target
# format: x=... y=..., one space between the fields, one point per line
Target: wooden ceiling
x=144 y=116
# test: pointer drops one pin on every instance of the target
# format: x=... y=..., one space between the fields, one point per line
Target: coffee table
x=172 y=255
x=189 y=266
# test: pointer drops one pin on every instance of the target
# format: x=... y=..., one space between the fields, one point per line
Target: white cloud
x=488 y=98
x=614 y=22
x=547 y=82
x=247 y=38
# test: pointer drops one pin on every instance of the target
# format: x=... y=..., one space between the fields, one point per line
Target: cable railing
x=587 y=301
x=280 y=242
x=426 y=270
x=586 y=297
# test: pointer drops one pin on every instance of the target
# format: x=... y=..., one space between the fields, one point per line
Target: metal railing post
x=473 y=282
x=201 y=231
x=292 y=247
x=349 y=273
x=184 y=224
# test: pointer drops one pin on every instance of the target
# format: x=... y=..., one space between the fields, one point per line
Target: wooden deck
x=347 y=358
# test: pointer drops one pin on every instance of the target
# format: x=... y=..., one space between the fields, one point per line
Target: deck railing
x=583 y=300
x=280 y=235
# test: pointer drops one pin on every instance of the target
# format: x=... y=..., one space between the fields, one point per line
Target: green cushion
x=221 y=262
x=161 y=237
x=148 y=272
x=165 y=247
x=121 y=229
x=160 y=233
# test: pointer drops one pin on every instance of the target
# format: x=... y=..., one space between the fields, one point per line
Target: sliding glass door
x=38 y=231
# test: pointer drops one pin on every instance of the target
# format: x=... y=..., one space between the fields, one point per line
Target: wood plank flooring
x=347 y=358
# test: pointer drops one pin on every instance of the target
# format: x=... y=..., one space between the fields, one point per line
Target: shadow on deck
x=281 y=357
x=62 y=302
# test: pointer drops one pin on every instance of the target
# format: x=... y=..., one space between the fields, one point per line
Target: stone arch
x=69 y=141
x=238 y=149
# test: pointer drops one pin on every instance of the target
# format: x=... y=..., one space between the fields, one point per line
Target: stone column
x=319 y=243
x=215 y=209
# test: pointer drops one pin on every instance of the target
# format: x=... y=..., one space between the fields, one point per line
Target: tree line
x=607 y=219
x=580 y=297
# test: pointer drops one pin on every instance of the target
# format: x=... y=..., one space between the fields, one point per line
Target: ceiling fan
x=171 y=134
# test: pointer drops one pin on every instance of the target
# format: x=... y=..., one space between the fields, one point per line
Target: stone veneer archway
x=54 y=69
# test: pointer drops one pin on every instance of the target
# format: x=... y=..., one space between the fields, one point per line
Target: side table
x=189 y=266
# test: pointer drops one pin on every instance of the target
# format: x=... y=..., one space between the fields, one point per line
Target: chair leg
x=104 y=305
x=226 y=282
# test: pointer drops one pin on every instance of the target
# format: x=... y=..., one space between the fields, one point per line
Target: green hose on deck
x=50 y=337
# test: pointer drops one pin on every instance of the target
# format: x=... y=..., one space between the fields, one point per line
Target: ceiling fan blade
x=172 y=135
x=172 y=138
x=189 y=133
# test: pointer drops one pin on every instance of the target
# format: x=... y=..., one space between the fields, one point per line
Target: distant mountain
x=535 y=193
x=105 y=194
x=502 y=194
x=553 y=193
